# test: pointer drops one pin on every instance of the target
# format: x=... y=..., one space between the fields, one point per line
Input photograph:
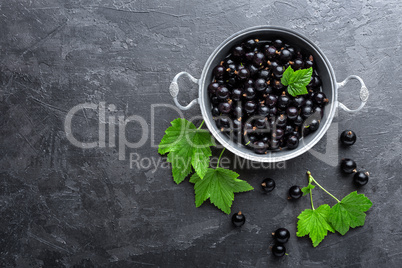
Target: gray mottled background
x=63 y=206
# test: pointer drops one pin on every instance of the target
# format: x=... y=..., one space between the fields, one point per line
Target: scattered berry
x=295 y=192
x=281 y=235
x=238 y=219
x=278 y=250
x=268 y=185
x=361 y=178
x=348 y=165
x=348 y=137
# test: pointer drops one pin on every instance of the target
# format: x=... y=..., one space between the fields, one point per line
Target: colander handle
x=364 y=93
x=174 y=91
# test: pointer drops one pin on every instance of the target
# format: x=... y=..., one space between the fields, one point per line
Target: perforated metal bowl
x=329 y=86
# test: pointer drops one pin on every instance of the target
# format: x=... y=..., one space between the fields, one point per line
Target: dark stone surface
x=63 y=206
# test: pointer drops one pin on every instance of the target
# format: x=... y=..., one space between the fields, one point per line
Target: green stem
x=202 y=123
x=325 y=190
x=311 y=199
x=219 y=159
x=311 y=179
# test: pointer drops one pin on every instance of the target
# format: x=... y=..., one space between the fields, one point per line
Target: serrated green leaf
x=307 y=189
x=181 y=164
x=287 y=74
x=219 y=185
x=301 y=77
x=174 y=134
x=349 y=212
x=314 y=223
x=187 y=146
x=295 y=91
x=296 y=81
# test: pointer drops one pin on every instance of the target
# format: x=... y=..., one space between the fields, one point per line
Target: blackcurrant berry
x=270 y=52
x=219 y=71
x=309 y=102
x=237 y=125
x=318 y=111
x=297 y=64
x=320 y=98
x=263 y=110
x=274 y=144
x=361 y=178
x=314 y=125
x=243 y=73
x=250 y=44
x=253 y=70
x=215 y=111
x=278 y=250
x=278 y=71
x=249 y=140
x=272 y=64
x=248 y=82
x=292 y=112
x=223 y=123
x=238 y=51
x=260 y=147
x=348 y=165
x=295 y=192
x=236 y=94
x=225 y=107
x=268 y=185
x=348 y=137
x=249 y=56
x=298 y=121
x=306 y=111
x=277 y=85
x=249 y=93
x=259 y=59
x=212 y=88
x=281 y=121
x=298 y=101
x=285 y=55
x=292 y=142
x=281 y=235
x=260 y=85
x=238 y=219
x=289 y=129
x=278 y=134
x=238 y=111
x=273 y=111
x=271 y=100
x=214 y=100
x=264 y=74
x=250 y=107
x=261 y=123
x=278 y=43
x=222 y=93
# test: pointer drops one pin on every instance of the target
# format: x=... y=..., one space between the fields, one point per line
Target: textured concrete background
x=63 y=206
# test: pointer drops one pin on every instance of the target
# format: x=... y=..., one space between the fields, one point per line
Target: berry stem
x=202 y=123
x=311 y=199
x=313 y=180
x=219 y=159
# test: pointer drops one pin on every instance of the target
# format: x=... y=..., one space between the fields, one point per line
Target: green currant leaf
x=287 y=74
x=296 y=81
x=314 y=223
x=219 y=185
x=349 y=212
x=295 y=91
x=187 y=147
x=301 y=77
x=306 y=190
